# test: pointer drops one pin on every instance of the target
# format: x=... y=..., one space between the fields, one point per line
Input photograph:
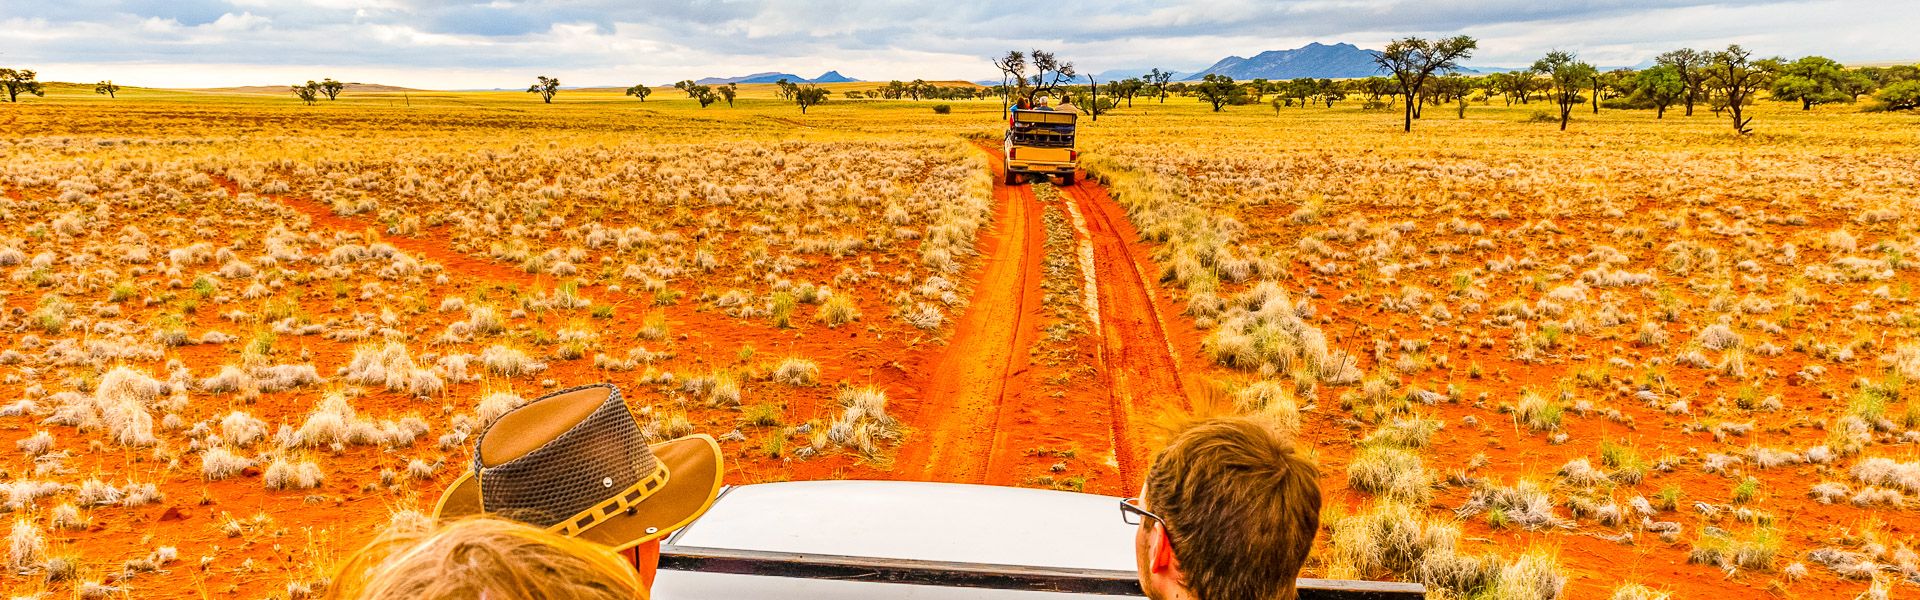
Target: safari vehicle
x=1040 y=142
x=935 y=541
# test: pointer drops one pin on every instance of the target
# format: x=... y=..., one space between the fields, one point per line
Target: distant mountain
x=1338 y=61
x=768 y=77
x=352 y=88
x=1119 y=74
x=772 y=77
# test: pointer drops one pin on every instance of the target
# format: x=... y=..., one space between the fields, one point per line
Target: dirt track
x=981 y=411
x=1138 y=362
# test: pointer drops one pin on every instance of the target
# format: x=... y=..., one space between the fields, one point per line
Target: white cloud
x=452 y=44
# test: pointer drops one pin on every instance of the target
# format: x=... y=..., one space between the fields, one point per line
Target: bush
x=838 y=310
x=941 y=109
x=1904 y=95
x=1539 y=412
x=1720 y=548
x=1390 y=472
x=797 y=372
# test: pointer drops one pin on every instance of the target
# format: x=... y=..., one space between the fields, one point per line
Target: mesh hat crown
x=576 y=462
x=604 y=456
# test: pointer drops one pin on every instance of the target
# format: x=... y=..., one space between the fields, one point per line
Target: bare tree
x=1012 y=67
x=640 y=91
x=1412 y=60
x=107 y=88
x=331 y=88
x=546 y=87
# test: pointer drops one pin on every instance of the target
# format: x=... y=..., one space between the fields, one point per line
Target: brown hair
x=1240 y=505
x=484 y=557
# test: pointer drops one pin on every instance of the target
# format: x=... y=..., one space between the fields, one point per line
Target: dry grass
x=177 y=263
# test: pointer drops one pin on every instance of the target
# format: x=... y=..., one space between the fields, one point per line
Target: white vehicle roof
x=901 y=520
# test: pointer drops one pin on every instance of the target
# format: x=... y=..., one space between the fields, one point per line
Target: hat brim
x=695 y=473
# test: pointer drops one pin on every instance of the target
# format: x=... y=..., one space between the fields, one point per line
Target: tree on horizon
x=1412 y=60
x=546 y=87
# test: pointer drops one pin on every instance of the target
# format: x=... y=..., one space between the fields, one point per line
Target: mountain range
x=771 y=77
x=1317 y=60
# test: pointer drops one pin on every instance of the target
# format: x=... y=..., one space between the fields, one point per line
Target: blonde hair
x=484 y=557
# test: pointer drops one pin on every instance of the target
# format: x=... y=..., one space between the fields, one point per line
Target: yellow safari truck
x=1040 y=142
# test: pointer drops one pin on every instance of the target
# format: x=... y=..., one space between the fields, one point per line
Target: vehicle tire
x=1066 y=180
x=1013 y=178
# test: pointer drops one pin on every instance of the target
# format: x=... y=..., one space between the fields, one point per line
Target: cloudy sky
x=452 y=44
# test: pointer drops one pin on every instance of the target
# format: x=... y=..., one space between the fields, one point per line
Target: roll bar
x=976 y=575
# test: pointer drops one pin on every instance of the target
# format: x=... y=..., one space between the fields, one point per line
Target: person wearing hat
x=576 y=464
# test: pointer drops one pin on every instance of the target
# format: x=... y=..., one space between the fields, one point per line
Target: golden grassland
x=242 y=333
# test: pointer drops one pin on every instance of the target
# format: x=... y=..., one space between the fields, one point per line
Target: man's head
x=1042 y=101
x=1236 y=512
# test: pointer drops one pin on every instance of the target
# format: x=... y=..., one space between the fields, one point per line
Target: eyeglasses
x=1132 y=514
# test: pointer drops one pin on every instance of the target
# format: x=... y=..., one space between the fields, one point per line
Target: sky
x=451 y=44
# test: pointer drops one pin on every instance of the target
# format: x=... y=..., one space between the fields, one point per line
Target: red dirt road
x=969 y=383
x=1139 y=366
x=981 y=411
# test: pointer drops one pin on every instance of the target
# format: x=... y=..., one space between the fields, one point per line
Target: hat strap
x=614 y=506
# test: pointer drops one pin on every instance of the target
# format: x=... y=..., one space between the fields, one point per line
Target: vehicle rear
x=1041 y=143
x=855 y=540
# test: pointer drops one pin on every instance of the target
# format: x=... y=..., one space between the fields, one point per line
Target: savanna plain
x=1646 y=357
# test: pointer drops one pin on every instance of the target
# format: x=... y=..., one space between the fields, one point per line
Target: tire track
x=986 y=361
x=1140 y=367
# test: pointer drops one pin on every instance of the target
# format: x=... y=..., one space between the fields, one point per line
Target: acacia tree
x=1661 y=86
x=1690 y=66
x=686 y=85
x=1048 y=73
x=640 y=91
x=1159 y=79
x=1854 y=83
x=1811 y=80
x=809 y=95
x=728 y=91
x=1613 y=80
x=1331 y=92
x=309 y=93
x=1568 y=76
x=1126 y=89
x=1219 y=90
x=107 y=88
x=331 y=88
x=1736 y=76
x=704 y=94
x=546 y=87
x=21 y=81
x=1900 y=95
x=1412 y=60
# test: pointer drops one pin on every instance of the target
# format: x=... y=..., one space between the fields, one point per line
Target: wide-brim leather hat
x=575 y=462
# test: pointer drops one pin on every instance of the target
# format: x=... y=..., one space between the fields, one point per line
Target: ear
x=1160 y=554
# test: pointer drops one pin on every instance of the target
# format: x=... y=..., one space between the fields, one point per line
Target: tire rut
x=1140 y=367
x=983 y=364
